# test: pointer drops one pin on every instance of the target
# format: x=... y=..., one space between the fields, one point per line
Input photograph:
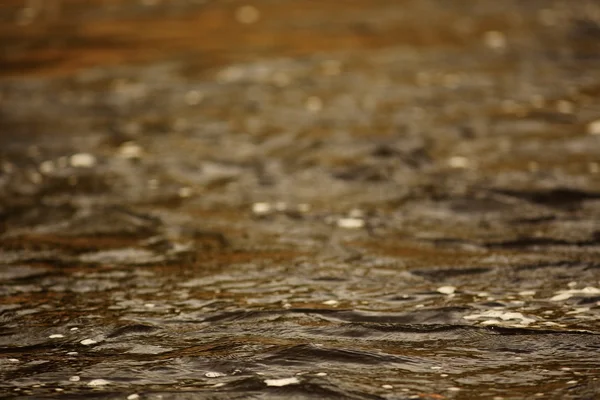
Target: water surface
x=339 y=199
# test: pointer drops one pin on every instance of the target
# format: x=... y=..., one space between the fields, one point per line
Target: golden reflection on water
x=62 y=37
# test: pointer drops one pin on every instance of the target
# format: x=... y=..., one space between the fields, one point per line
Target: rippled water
x=402 y=203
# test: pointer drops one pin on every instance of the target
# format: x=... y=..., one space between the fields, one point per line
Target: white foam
x=98 y=382
x=82 y=160
x=446 y=289
x=567 y=294
x=500 y=315
x=213 y=374
x=351 y=223
x=282 y=381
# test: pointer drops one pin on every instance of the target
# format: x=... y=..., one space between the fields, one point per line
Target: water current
x=300 y=199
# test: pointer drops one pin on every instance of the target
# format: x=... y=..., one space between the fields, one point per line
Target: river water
x=300 y=199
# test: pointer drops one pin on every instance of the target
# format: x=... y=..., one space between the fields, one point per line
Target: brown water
x=300 y=199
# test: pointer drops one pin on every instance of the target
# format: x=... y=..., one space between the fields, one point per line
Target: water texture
x=300 y=199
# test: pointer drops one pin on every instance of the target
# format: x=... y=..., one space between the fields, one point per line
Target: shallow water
x=339 y=199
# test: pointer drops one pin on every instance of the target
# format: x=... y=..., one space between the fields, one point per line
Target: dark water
x=339 y=199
